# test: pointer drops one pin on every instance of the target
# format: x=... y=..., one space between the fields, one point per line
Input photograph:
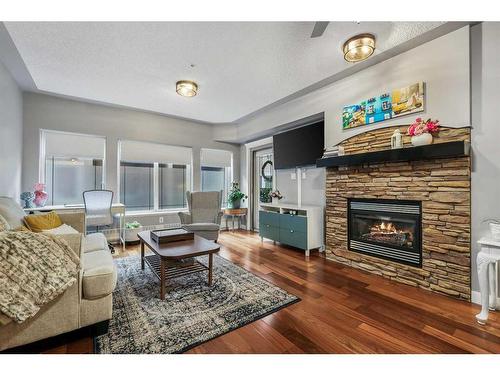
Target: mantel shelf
x=429 y=152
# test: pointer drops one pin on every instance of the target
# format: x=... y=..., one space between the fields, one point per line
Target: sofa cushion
x=201 y=227
x=12 y=212
x=39 y=223
x=63 y=229
x=94 y=242
x=99 y=274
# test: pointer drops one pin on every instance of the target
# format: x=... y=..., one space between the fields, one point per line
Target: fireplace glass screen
x=386 y=229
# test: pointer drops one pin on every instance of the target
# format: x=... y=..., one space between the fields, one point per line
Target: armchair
x=204 y=216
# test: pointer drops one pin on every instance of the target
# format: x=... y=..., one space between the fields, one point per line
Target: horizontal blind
x=215 y=158
x=149 y=152
x=72 y=145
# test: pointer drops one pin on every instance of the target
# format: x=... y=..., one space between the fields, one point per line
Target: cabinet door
x=268 y=231
x=271 y=218
x=295 y=223
x=293 y=238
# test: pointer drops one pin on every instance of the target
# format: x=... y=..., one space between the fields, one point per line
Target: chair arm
x=219 y=217
x=74 y=219
x=185 y=217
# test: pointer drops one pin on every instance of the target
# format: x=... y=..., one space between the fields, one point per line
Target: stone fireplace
x=407 y=221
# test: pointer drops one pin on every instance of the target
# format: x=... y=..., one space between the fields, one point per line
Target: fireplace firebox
x=388 y=229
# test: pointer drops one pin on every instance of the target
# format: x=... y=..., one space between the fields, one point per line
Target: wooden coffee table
x=165 y=252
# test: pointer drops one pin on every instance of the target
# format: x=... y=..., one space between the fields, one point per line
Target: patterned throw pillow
x=38 y=223
x=3 y=224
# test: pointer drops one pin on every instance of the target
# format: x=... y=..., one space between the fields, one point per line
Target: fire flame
x=386 y=228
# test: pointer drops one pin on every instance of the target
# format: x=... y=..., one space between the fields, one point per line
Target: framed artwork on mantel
x=399 y=102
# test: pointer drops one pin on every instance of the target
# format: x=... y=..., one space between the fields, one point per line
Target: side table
x=487 y=260
x=235 y=212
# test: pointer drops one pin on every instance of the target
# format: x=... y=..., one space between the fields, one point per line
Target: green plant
x=132 y=225
x=235 y=194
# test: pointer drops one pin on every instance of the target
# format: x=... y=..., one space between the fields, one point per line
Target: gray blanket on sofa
x=34 y=269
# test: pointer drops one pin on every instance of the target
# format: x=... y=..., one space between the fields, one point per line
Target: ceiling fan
x=319 y=28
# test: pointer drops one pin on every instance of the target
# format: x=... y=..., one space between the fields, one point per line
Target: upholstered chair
x=204 y=214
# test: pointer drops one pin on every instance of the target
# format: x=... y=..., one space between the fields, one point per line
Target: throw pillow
x=4 y=225
x=38 y=223
x=63 y=229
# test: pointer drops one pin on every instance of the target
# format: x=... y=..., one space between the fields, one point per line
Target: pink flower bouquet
x=420 y=127
x=40 y=195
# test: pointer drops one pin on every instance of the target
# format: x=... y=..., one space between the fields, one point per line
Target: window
x=216 y=171
x=154 y=176
x=137 y=182
x=71 y=164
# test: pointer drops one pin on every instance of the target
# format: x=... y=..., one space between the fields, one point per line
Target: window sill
x=158 y=212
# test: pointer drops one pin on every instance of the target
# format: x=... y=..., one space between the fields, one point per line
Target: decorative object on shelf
x=236 y=196
x=27 y=198
x=421 y=131
x=399 y=102
x=359 y=47
x=40 y=195
x=186 y=88
x=276 y=196
x=396 y=139
x=131 y=230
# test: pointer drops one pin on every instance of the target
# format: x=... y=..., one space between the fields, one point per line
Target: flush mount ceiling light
x=186 y=88
x=359 y=47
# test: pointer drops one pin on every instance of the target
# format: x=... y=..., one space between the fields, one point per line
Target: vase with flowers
x=421 y=131
x=276 y=196
x=40 y=195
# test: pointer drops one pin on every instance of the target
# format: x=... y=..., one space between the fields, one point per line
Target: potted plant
x=421 y=131
x=276 y=196
x=235 y=196
x=131 y=231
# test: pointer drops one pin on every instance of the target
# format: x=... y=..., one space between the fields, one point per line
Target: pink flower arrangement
x=40 y=195
x=420 y=127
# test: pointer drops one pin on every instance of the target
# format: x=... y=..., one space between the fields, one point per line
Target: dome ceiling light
x=186 y=88
x=359 y=47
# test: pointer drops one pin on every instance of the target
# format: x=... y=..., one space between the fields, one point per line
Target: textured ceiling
x=240 y=67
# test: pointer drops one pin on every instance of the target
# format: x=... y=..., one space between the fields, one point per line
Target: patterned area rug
x=191 y=313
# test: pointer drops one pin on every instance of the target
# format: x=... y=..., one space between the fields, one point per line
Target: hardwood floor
x=343 y=310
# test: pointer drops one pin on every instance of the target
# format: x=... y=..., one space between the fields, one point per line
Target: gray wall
x=54 y=113
x=485 y=78
x=11 y=139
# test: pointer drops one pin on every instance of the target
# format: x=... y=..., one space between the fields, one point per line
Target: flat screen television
x=299 y=147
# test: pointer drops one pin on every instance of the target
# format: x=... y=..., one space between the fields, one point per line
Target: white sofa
x=86 y=303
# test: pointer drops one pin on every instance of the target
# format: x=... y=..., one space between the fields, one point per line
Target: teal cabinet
x=288 y=229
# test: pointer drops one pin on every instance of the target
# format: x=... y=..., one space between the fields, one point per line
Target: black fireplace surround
x=386 y=228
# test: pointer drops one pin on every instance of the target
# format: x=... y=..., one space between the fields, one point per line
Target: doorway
x=263 y=181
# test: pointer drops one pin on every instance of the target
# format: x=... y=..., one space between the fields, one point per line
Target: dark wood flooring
x=343 y=310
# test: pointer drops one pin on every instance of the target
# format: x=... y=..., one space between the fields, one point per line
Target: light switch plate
x=304 y=175
x=293 y=176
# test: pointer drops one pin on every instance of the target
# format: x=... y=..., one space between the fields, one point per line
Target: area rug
x=191 y=313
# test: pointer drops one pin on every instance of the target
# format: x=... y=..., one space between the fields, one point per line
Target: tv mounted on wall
x=299 y=147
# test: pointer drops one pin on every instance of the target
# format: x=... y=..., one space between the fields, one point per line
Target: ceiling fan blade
x=319 y=29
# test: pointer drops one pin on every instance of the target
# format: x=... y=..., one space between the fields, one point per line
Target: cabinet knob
x=291 y=230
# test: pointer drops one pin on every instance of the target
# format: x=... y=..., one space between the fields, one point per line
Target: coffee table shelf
x=154 y=261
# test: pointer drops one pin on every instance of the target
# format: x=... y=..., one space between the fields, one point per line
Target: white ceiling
x=240 y=67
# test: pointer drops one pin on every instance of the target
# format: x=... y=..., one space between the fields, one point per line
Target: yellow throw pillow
x=38 y=223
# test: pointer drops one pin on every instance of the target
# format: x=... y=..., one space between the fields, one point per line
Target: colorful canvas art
x=403 y=101
x=409 y=99
x=354 y=115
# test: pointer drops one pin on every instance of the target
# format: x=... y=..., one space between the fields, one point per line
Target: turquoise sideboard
x=300 y=227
